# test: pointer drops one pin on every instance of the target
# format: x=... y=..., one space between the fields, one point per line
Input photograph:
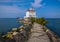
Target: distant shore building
x=30 y=13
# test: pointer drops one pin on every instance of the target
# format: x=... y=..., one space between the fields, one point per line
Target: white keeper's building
x=30 y=13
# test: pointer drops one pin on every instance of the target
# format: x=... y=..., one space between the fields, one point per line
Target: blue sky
x=17 y=8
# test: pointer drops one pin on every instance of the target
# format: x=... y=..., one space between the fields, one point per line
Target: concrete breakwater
x=30 y=33
x=40 y=33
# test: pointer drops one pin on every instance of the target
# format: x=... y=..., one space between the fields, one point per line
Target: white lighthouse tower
x=30 y=13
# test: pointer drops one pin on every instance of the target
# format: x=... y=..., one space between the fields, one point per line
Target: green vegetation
x=32 y=20
x=41 y=21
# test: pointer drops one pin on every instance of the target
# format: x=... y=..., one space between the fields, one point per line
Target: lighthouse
x=30 y=13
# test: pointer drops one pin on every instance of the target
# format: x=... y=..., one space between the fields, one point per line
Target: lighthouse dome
x=30 y=10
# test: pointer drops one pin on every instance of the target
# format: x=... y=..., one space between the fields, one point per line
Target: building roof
x=31 y=10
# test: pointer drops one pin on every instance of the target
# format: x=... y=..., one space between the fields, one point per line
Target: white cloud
x=11 y=11
x=4 y=0
x=58 y=0
x=10 y=0
x=37 y=3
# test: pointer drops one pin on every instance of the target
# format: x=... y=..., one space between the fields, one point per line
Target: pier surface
x=38 y=34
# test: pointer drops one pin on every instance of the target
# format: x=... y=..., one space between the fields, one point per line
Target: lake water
x=6 y=24
x=54 y=25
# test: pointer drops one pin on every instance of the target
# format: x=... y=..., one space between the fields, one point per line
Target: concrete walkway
x=38 y=34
